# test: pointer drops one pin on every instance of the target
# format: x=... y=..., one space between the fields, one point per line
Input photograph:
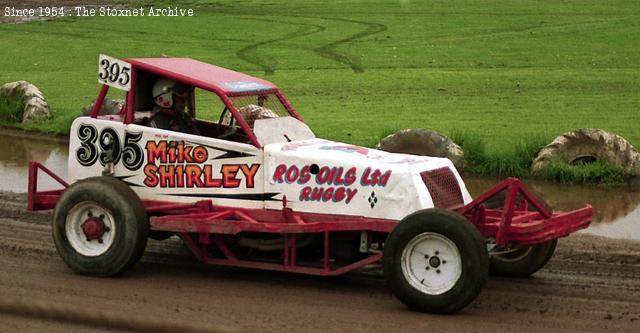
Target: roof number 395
x=114 y=72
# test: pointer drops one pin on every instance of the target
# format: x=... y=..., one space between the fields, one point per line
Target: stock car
x=266 y=193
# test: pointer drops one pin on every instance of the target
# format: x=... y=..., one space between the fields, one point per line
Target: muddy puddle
x=616 y=209
x=17 y=149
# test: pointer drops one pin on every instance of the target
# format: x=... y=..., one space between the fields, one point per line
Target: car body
x=257 y=189
x=255 y=173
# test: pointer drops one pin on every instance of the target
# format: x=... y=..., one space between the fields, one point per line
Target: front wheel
x=435 y=261
x=100 y=226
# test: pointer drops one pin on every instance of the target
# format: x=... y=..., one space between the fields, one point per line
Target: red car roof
x=203 y=75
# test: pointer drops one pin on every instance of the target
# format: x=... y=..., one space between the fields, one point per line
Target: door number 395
x=105 y=147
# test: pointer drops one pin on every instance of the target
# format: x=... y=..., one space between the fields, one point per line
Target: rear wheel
x=435 y=261
x=160 y=235
x=100 y=226
x=519 y=260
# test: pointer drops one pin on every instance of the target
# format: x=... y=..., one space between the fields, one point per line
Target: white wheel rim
x=431 y=263
x=77 y=216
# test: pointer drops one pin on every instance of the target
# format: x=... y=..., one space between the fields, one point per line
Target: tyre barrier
x=588 y=145
x=423 y=142
x=35 y=105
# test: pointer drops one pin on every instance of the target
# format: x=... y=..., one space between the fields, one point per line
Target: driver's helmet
x=165 y=90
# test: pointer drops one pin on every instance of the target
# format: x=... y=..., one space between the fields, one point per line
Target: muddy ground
x=592 y=284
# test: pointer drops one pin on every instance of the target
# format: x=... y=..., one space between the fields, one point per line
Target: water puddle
x=616 y=209
x=17 y=149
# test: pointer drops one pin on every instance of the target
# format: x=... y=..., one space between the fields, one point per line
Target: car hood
x=362 y=181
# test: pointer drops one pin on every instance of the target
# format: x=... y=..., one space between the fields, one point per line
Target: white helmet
x=163 y=91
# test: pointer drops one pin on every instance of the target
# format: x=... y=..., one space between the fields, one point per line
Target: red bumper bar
x=515 y=222
x=42 y=200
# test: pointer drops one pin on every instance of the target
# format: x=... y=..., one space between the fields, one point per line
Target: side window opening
x=210 y=110
x=260 y=106
x=113 y=105
x=187 y=110
x=164 y=103
x=172 y=105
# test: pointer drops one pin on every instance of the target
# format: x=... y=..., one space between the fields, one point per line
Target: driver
x=170 y=99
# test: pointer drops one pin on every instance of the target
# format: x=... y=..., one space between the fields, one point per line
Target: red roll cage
x=221 y=81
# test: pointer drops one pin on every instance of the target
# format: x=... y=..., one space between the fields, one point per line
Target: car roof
x=204 y=76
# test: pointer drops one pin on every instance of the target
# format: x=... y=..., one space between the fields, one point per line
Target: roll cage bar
x=185 y=66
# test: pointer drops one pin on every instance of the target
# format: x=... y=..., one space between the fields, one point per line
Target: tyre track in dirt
x=329 y=50
x=539 y=28
x=269 y=64
x=591 y=285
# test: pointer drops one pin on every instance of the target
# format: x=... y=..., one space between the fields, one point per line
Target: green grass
x=11 y=109
x=501 y=71
x=599 y=172
x=515 y=161
x=506 y=161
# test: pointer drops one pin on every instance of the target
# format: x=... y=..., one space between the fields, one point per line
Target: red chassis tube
x=42 y=200
x=202 y=224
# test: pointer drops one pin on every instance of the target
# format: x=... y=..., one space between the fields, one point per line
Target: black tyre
x=435 y=261
x=519 y=260
x=100 y=227
x=522 y=260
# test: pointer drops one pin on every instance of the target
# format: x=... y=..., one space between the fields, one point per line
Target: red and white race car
x=252 y=186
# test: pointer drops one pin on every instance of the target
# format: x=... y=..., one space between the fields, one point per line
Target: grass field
x=503 y=71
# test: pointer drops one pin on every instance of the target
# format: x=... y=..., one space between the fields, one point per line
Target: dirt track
x=592 y=284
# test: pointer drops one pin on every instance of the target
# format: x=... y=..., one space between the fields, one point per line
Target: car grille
x=443 y=187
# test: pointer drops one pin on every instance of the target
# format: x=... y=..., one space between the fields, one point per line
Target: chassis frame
x=203 y=224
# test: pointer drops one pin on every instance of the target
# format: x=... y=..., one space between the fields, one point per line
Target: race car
x=243 y=181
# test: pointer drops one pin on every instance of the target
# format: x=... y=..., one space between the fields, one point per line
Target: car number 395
x=114 y=72
x=106 y=147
